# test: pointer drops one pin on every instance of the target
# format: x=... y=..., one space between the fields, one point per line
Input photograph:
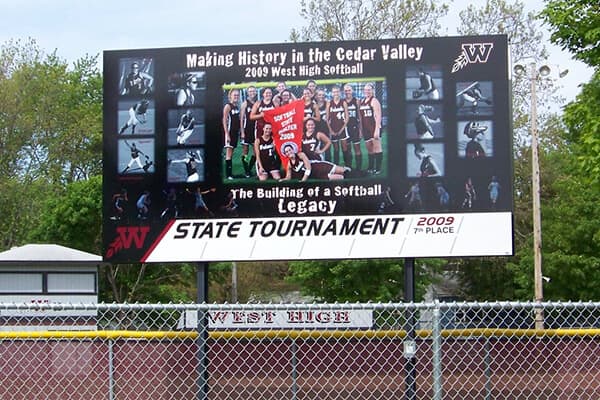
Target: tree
x=368 y=19
x=501 y=278
x=572 y=241
x=359 y=280
x=582 y=118
x=51 y=116
x=50 y=131
x=73 y=218
x=20 y=204
x=149 y=283
x=485 y=279
x=573 y=266
x=257 y=282
x=575 y=27
x=571 y=232
x=504 y=18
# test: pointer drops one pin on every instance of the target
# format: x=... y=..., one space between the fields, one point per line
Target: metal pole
x=202 y=341
x=111 y=371
x=437 y=354
x=411 y=362
x=294 y=370
x=537 y=219
x=488 y=370
x=234 y=285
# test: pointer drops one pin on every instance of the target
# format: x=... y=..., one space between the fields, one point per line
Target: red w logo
x=128 y=235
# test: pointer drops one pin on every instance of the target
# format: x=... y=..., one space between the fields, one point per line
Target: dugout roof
x=47 y=254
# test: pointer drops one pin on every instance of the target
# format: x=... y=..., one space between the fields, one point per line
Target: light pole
x=535 y=75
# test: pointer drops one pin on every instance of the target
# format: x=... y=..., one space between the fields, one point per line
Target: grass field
x=238 y=169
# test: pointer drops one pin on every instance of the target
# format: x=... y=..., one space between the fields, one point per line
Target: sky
x=75 y=28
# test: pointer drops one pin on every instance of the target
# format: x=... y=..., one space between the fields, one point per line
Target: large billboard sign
x=388 y=148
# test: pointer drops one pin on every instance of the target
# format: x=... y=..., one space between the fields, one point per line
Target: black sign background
x=455 y=64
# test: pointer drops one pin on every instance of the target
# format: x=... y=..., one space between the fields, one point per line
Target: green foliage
x=571 y=223
x=571 y=235
x=52 y=115
x=20 y=205
x=73 y=218
x=358 y=280
x=143 y=283
x=219 y=280
x=368 y=19
x=575 y=26
x=256 y=282
x=582 y=118
x=486 y=279
x=50 y=131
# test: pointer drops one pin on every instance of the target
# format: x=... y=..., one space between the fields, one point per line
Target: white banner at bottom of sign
x=345 y=237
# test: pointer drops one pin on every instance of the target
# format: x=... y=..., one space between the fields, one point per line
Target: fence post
x=488 y=370
x=409 y=342
x=294 y=370
x=437 y=353
x=111 y=371
x=202 y=341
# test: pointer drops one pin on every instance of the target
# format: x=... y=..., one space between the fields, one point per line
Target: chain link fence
x=300 y=351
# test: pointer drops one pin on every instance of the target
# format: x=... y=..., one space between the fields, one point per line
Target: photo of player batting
x=474 y=98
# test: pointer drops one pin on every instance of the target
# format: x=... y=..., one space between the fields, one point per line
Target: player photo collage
x=425 y=134
x=136 y=134
x=474 y=111
x=186 y=135
x=475 y=142
x=137 y=123
x=137 y=131
x=136 y=117
x=426 y=141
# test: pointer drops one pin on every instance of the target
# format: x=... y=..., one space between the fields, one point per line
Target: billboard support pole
x=202 y=341
x=409 y=342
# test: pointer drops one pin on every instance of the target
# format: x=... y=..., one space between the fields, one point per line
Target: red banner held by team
x=287 y=122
